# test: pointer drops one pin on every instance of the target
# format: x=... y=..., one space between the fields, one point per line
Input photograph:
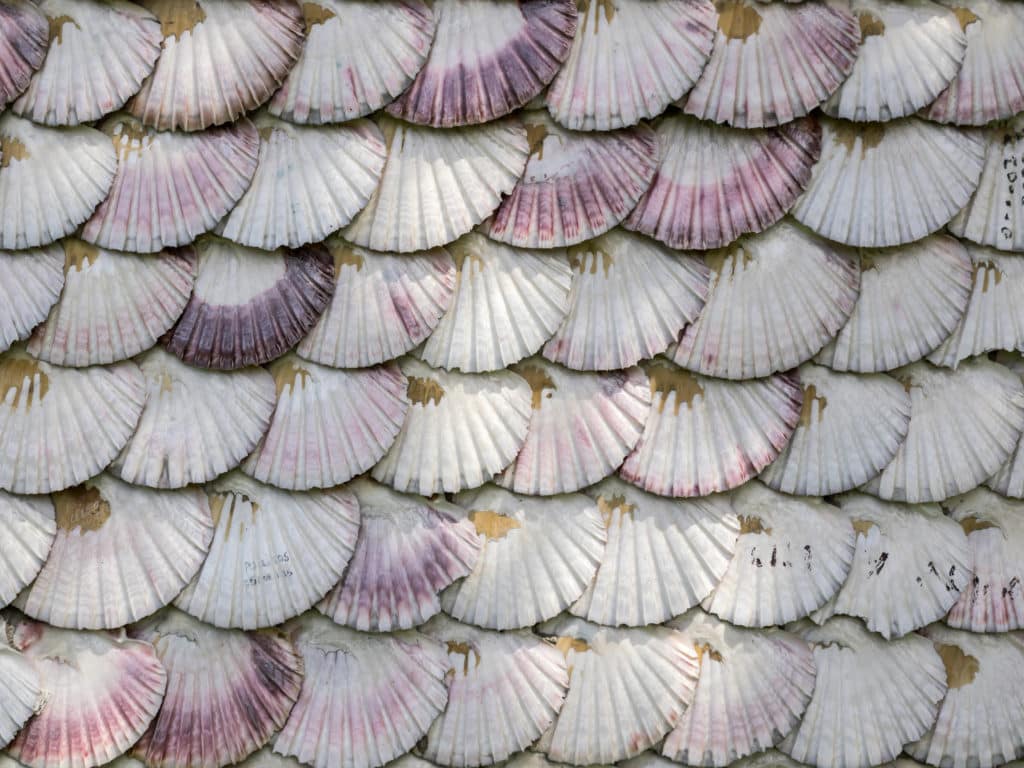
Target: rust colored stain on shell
x=584 y=259
x=461 y=253
x=864 y=526
x=993 y=275
x=737 y=20
x=870 y=25
x=869 y=134
x=23 y=375
x=134 y=137
x=753 y=524
x=81 y=508
x=78 y=255
x=706 y=649
x=424 y=391
x=493 y=525
x=961 y=668
x=607 y=7
x=57 y=26
x=965 y=17
x=609 y=505
x=971 y=524
x=177 y=16
x=217 y=502
x=346 y=257
x=287 y=375
x=535 y=135
x=539 y=382
x=12 y=149
x=811 y=397
x=726 y=262
x=464 y=650
x=681 y=384
x=314 y=14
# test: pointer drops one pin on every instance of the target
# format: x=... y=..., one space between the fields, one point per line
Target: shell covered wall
x=544 y=382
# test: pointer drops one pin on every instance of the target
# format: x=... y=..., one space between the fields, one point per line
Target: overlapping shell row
x=531 y=382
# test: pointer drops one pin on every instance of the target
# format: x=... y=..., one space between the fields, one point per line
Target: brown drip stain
x=166 y=383
x=79 y=255
x=57 y=27
x=134 y=137
x=607 y=6
x=971 y=524
x=607 y=507
x=12 y=149
x=866 y=262
x=863 y=526
x=965 y=17
x=961 y=668
x=177 y=16
x=991 y=271
x=23 y=375
x=907 y=382
x=705 y=649
x=464 y=650
x=265 y=132
x=728 y=261
x=493 y=525
x=753 y=524
x=461 y=253
x=737 y=20
x=584 y=258
x=82 y=508
x=870 y=25
x=314 y=14
x=565 y=645
x=535 y=135
x=870 y=135
x=807 y=409
x=539 y=381
x=424 y=391
x=683 y=384
x=346 y=257
x=289 y=376
x=217 y=501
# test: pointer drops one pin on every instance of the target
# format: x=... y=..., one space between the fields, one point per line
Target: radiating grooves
x=24 y=41
x=95 y=63
x=717 y=183
x=487 y=60
x=1009 y=480
x=27 y=529
x=50 y=192
x=911 y=299
x=798 y=57
x=633 y=311
x=724 y=436
x=30 y=284
x=384 y=305
x=172 y=187
x=633 y=65
x=995 y=215
x=356 y=65
x=437 y=185
x=19 y=692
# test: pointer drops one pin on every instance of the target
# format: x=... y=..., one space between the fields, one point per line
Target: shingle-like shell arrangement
x=531 y=382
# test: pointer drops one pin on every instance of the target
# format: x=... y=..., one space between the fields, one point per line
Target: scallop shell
x=171 y=187
x=27 y=529
x=384 y=305
x=743 y=424
x=583 y=426
x=507 y=303
x=986 y=680
x=990 y=84
x=310 y=182
x=627 y=689
x=792 y=556
x=461 y=429
x=911 y=298
x=994 y=600
x=227 y=692
x=871 y=696
x=19 y=693
x=515 y=674
x=1009 y=480
x=754 y=685
x=99 y=694
x=250 y=306
x=849 y=430
x=911 y=52
x=662 y=558
x=396 y=682
x=629 y=60
x=910 y=566
x=630 y=298
x=576 y=185
x=358 y=56
x=488 y=59
x=24 y=38
x=437 y=184
x=274 y=553
x=539 y=554
x=266 y=758
x=30 y=284
x=964 y=426
x=98 y=56
x=51 y=180
x=219 y=60
x=113 y=306
x=773 y=63
x=776 y=299
x=196 y=425
x=409 y=549
x=121 y=553
x=329 y=425
x=884 y=184
x=995 y=316
x=715 y=183
x=61 y=426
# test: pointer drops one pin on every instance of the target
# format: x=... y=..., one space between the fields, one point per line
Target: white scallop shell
x=911 y=298
x=792 y=556
x=630 y=60
x=437 y=184
x=507 y=303
x=51 y=180
x=506 y=690
x=460 y=430
x=583 y=426
x=409 y=549
x=1009 y=480
x=61 y=426
x=274 y=553
x=850 y=428
x=744 y=424
x=310 y=182
x=27 y=529
x=384 y=305
x=19 y=692
x=394 y=682
x=663 y=556
x=358 y=56
x=630 y=298
x=24 y=39
x=964 y=426
x=539 y=554
x=910 y=53
x=883 y=184
x=871 y=696
x=30 y=284
x=776 y=299
x=329 y=425
x=113 y=305
x=773 y=63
